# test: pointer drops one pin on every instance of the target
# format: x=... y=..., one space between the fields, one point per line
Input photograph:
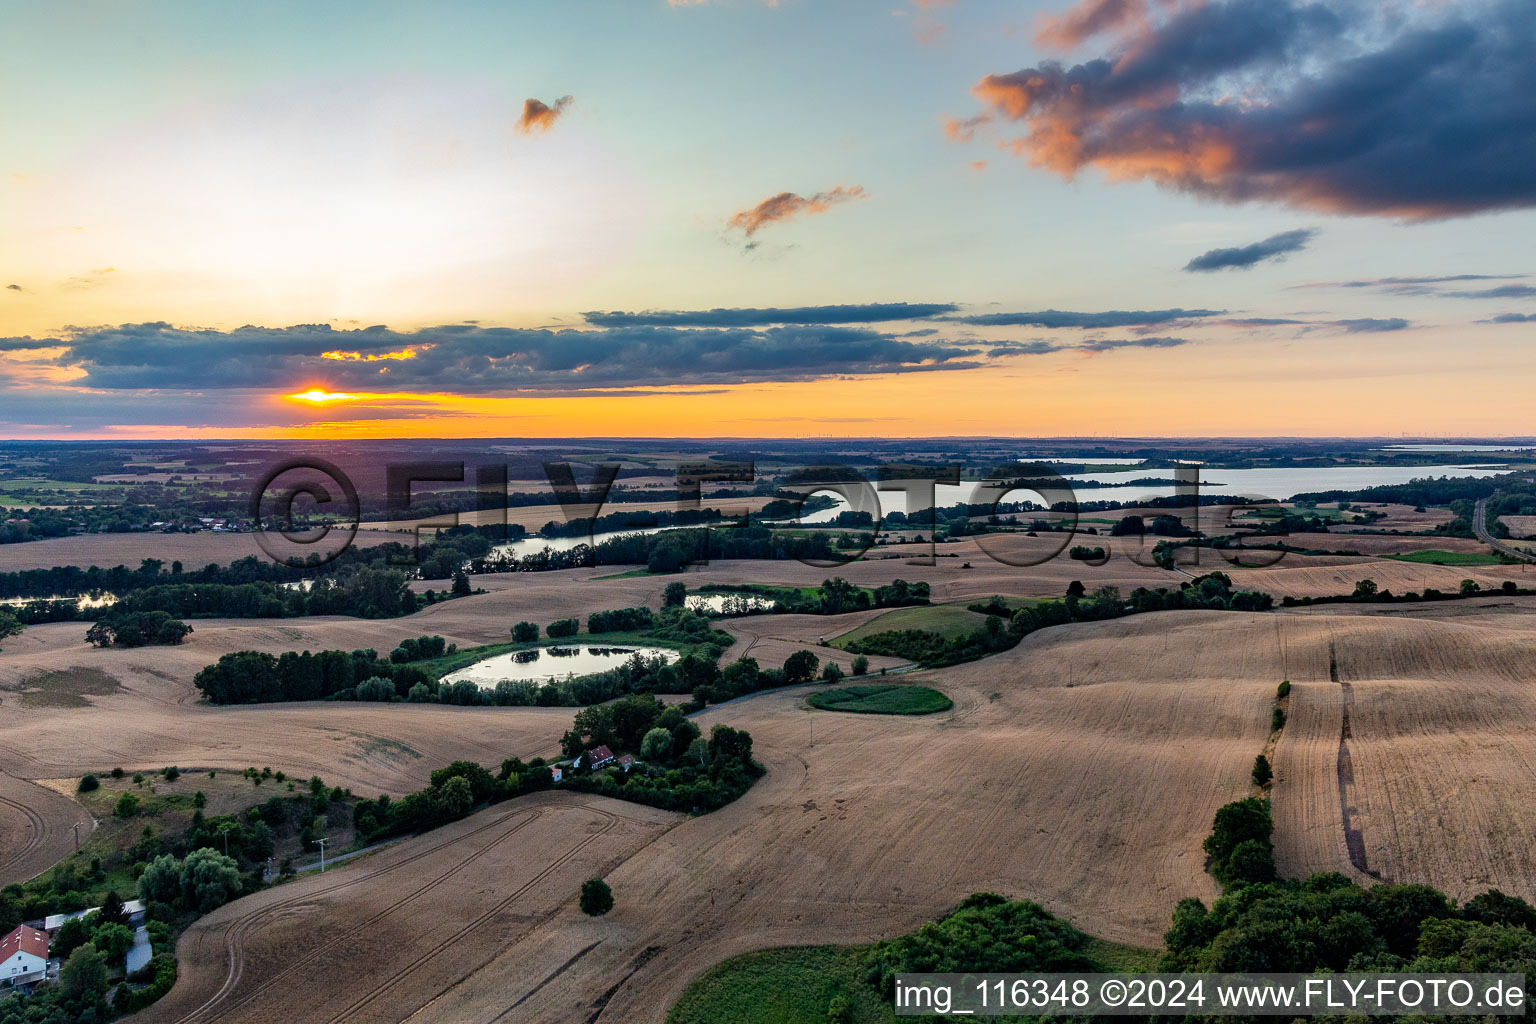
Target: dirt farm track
x=1080 y=769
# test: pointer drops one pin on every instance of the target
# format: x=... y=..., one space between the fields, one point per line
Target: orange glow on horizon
x=320 y=397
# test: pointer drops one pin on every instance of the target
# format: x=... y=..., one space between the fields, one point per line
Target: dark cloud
x=1511 y=318
x=1275 y=247
x=1371 y=325
x=1411 y=282
x=787 y=205
x=1108 y=318
x=1346 y=108
x=465 y=359
x=539 y=116
x=1116 y=343
x=14 y=288
x=1259 y=321
x=1507 y=291
x=872 y=312
x=1038 y=347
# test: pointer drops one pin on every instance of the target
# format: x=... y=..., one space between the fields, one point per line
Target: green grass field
x=882 y=700
x=1433 y=557
x=795 y=985
x=781 y=986
x=948 y=620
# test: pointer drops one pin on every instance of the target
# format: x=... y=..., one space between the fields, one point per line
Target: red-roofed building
x=598 y=757
x=627 y=762
x=23 y=956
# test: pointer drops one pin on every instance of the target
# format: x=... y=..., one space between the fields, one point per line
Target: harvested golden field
x=193 y=550
x=1030 y=786
x=1436 y=715
x=1380 y=544
x=1080 y=770
x=1520 y=526
x=36 y=828
x=1322 y=576
x=383 y=937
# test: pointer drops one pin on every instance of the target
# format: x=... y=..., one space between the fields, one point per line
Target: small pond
x=542 y=664
x=730 y=603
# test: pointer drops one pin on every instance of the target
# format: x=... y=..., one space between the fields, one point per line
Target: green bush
x=1239 y=846
x=596 y=897
x=89 y=783
x=563 y=627
x=1262 y=773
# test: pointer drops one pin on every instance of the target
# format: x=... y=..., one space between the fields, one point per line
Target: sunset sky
x=738 y=217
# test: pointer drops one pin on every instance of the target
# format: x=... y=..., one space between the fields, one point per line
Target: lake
x=1279 y=483
x=82 y=602
x=559 y=661
x=532 y=545
x=729 y=603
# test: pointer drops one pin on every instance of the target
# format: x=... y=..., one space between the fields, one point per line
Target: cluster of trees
x=123 y=628
x=419 y=649
x=682 y=770
x=931 y=649
x=986 y=933
x=255 y=677
x=10 y=625
x=745 y=675
x=679 y=770
x=1160 y=526
x=364 y=592
x=620 y=620
x=205 y=880
x=454 y=792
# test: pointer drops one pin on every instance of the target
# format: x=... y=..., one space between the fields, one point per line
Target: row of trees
x=931 y=649
x=835 y=596
x=1262 y=923
x=255 y=677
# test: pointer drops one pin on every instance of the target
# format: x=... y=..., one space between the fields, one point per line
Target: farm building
x=627 y=762
x=599 y=757
x=135 y=910
x=23 y=956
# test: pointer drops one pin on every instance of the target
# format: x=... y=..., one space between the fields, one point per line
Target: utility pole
x=322 y=841
x=77 y=837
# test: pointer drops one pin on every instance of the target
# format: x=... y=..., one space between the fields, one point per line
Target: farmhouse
x=23 y=956
x=627 y=762
x=599 y=757
x=556 y=772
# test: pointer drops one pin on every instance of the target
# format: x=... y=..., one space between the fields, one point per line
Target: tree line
x=931 y=649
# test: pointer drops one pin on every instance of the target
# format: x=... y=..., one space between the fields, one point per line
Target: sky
x=746 y=218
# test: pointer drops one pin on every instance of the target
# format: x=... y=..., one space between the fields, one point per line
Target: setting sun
x=318 y=397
